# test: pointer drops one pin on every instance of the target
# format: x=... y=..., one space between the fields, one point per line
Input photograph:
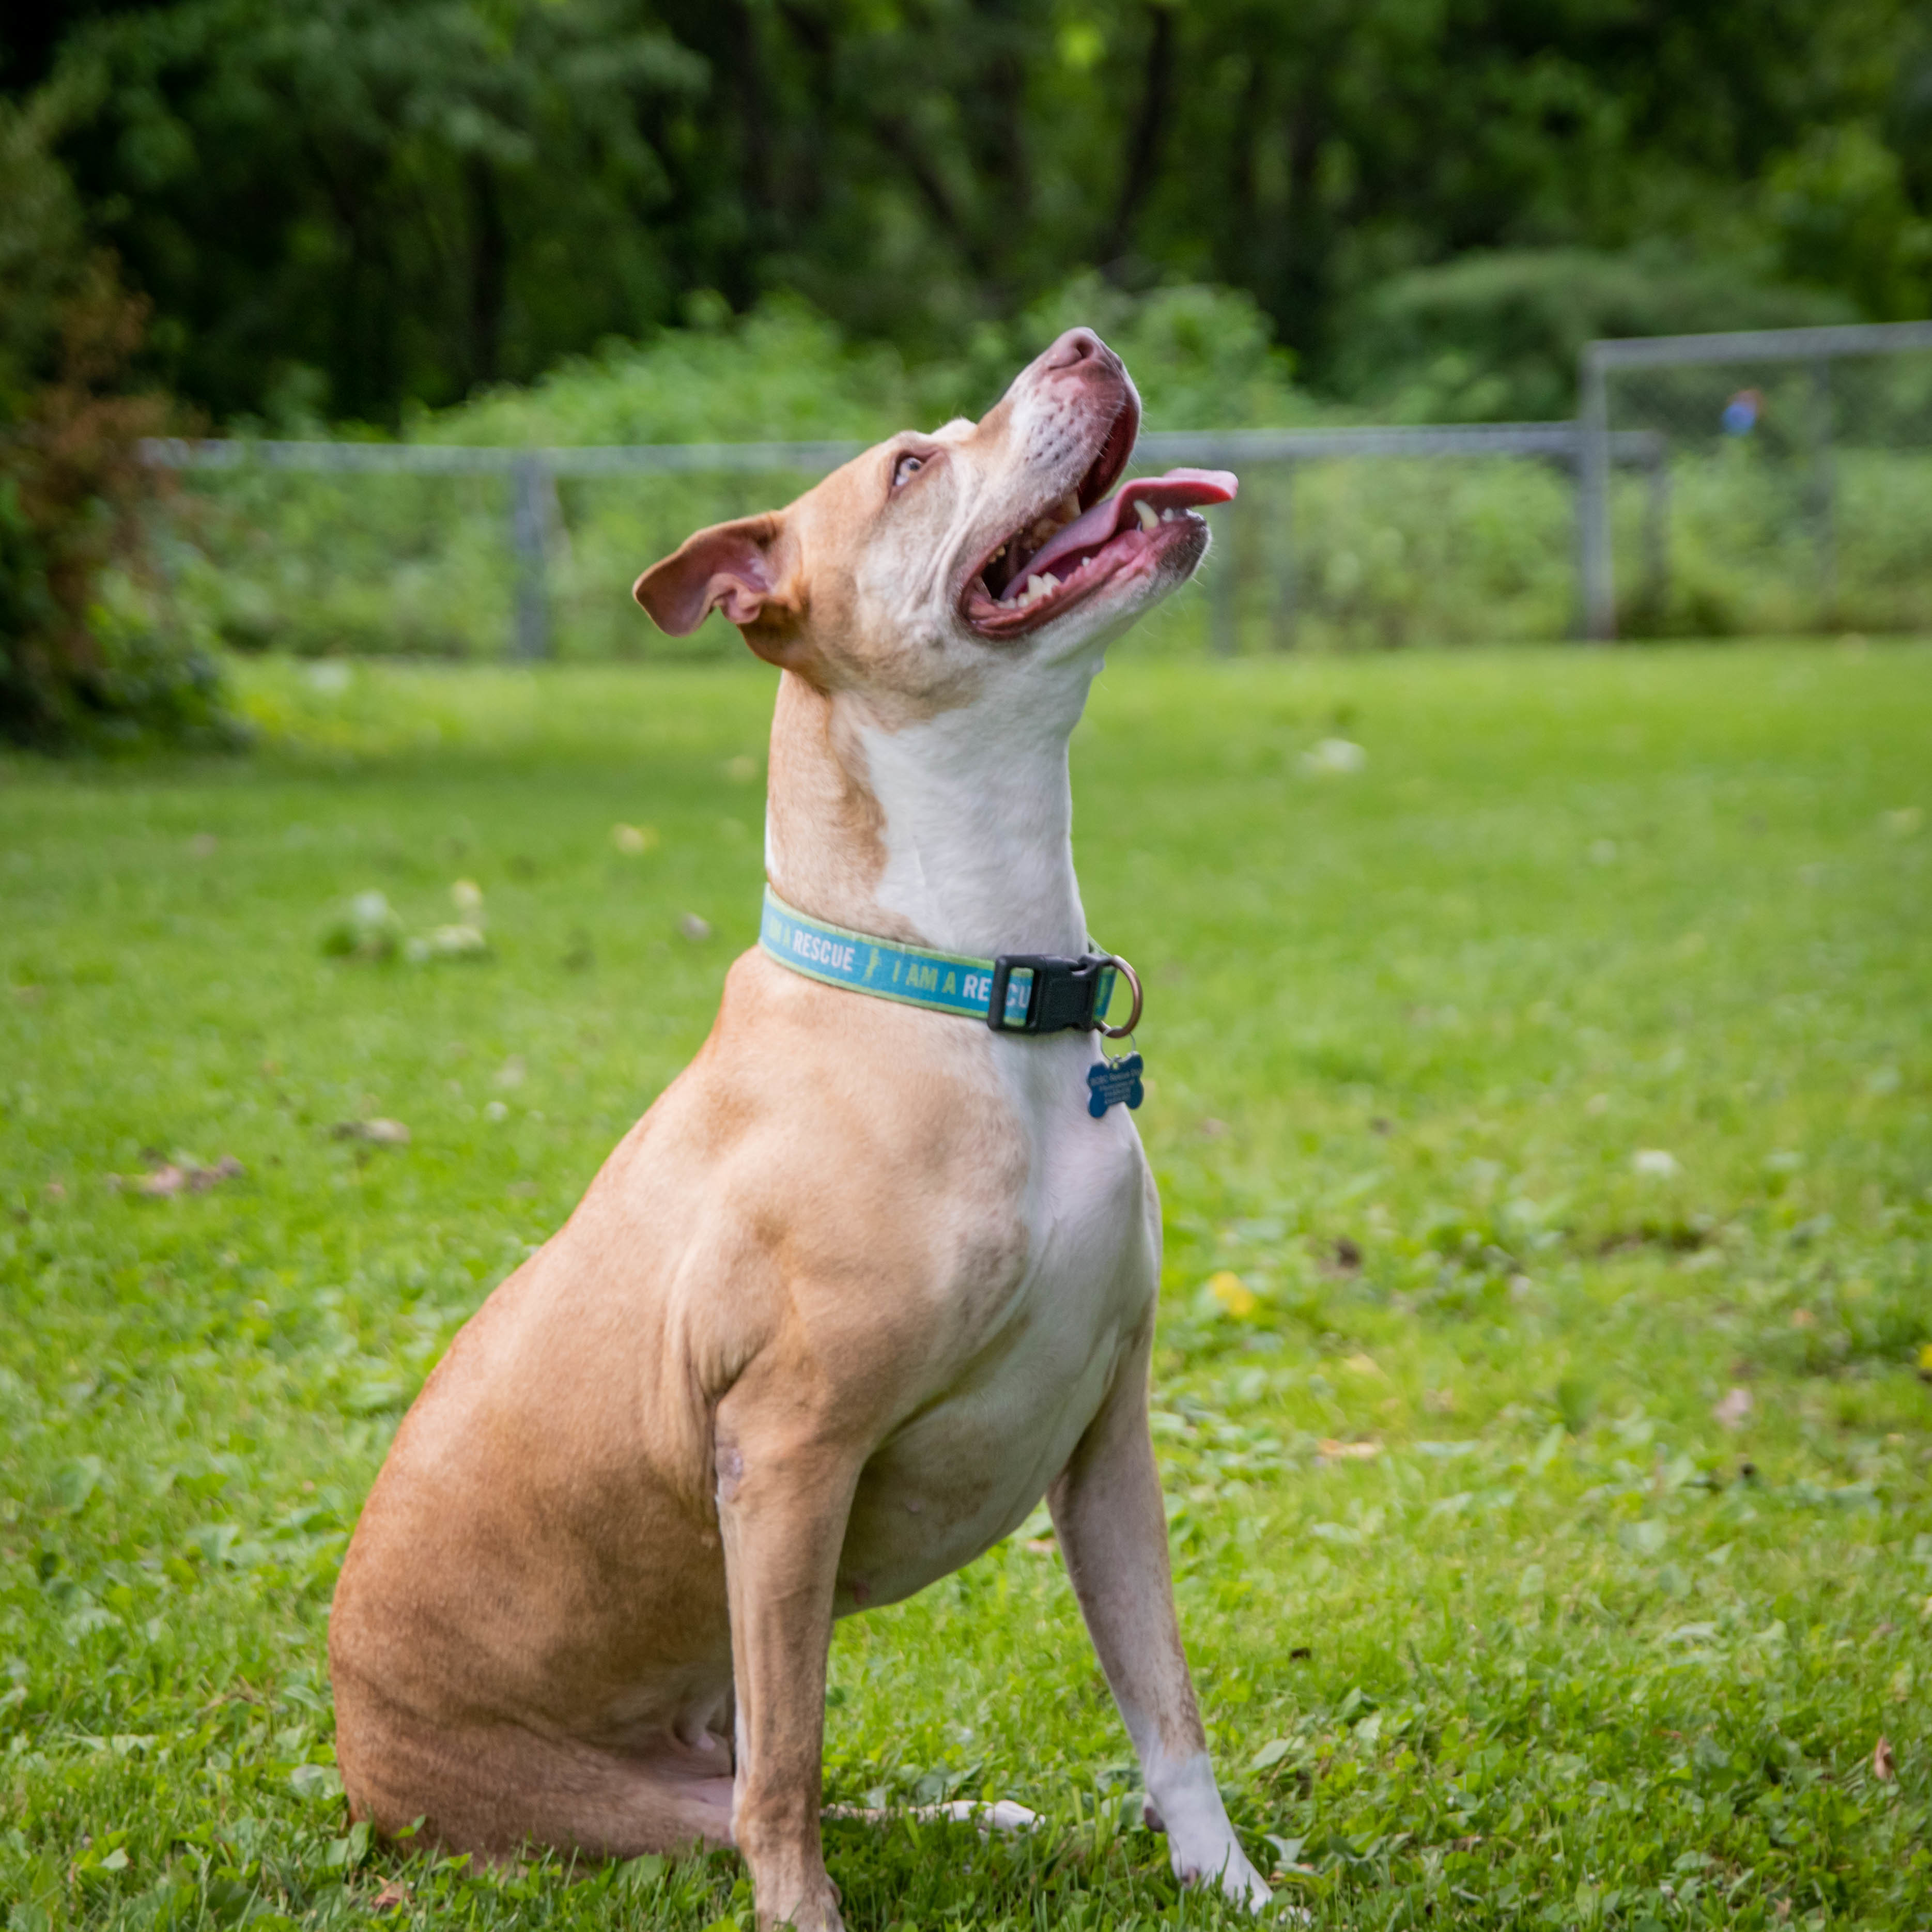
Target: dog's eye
x=908 y=466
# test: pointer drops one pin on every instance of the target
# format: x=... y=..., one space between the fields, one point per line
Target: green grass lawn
x=1543 y=1113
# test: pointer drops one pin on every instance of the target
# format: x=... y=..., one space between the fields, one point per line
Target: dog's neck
x=953 y=832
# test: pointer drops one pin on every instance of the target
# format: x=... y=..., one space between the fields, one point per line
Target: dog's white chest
x=970 y=1466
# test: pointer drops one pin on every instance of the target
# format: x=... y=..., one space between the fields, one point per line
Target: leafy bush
x=316 y=565
x=1203 y=357
x=88 y=648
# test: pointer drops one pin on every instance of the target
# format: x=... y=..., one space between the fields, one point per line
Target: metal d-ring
x=1134 y=1017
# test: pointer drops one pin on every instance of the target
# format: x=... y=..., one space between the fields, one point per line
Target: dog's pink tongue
x=1178 y=489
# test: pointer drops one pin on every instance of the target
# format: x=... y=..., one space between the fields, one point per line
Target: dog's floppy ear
x=733 y=567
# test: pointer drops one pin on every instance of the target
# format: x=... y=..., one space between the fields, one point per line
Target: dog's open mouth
x=1071 y=547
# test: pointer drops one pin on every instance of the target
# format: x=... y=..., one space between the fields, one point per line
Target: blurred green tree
x=353 y=203
x=77 y=660
x=350 y=206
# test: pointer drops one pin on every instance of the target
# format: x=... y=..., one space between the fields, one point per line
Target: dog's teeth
x=1169 y=516
x=1038 y=586
x=1068 y=509
x=1145 y=510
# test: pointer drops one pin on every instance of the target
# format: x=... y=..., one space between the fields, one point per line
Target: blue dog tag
x=1114 y=1080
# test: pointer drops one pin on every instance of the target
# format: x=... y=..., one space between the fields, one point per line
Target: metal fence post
x=1656 y=529
x=1286 y=614
x=1824 y=481
x=529 y=485
x=1224 y=617
x=1597 y=579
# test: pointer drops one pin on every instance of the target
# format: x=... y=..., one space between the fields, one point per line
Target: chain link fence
x=1340 y=538
x=1779 y=482
x=1376 y=538
x=445 y=550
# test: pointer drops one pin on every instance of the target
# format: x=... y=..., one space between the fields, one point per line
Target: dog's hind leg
x=607 y=1805
x=498 y=1789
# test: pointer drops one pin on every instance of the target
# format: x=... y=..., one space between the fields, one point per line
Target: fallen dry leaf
x=1885 y=1768
x=1332 y=1451
x=171 y=1178
x=1733 y=1412
x=393 y=1892
x=382 y=1133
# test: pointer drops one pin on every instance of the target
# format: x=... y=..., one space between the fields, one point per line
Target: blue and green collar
x=1018 y=992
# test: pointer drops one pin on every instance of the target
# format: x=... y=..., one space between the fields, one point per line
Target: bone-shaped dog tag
x=1114 y=1080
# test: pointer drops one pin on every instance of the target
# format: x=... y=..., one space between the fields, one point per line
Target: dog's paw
x=1241 y=1882
x=1237 y=1878
x=805 y=1919
x=812 y=1906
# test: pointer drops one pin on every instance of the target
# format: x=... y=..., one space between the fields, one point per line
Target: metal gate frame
x=1819 y=346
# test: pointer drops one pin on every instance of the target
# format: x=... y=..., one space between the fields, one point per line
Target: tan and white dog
x=866 y=1281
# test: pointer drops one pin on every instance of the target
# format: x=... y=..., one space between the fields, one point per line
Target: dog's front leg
x=783 y=1499
x=1107 y=1511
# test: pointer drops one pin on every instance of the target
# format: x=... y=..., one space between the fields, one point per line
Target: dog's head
x=919 y=564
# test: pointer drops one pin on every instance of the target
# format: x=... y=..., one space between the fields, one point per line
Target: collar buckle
x=1066 y=995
